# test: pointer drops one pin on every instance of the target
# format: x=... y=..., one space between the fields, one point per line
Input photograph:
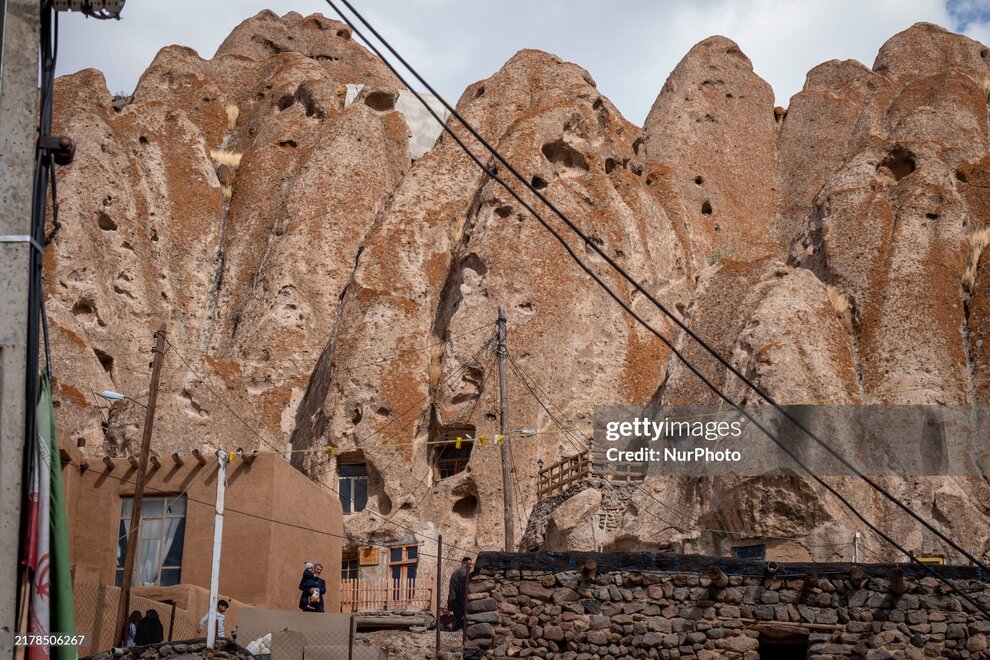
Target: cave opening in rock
x=561 y=153
x=451 y=451
x=106 y=361
x=706 y=208
x=466 y=507
x=898 y=163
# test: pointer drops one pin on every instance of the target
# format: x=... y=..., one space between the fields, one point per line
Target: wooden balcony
x=557 y=477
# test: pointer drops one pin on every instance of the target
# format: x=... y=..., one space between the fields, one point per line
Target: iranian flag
x=47 y=541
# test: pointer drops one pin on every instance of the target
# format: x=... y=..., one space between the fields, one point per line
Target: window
x=352 y=484
x=451 y=458
x=749 y=552
x=402 y=560
x=349 y=568
x=160 y=537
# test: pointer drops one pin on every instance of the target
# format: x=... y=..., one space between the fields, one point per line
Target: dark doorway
x=783 y=646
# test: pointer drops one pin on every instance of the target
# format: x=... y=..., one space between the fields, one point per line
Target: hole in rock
x=538 y=182
x=698 y=180
x=610 y=165
x=283 y=102
x=106 y=361
x=380 y=101
x=480 y=92
x=85 y=308
x=143 y=140
x=561 y=153
x=706 y=208
x=466 y=507
x=961 y=175
x=503 y=211
x=899 y=163
x=932 y=216
x=288 y=143
x=356 y=415
x=105 y=222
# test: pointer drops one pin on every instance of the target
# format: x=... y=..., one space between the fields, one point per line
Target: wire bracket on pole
x=22 y=238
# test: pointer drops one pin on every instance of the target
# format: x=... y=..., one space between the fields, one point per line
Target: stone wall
x=586 y=606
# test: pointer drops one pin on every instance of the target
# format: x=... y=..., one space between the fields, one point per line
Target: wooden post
x=142 y=469
x=897 y=584
x=351 y=629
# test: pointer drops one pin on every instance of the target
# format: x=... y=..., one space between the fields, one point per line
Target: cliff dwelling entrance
x=452 y=451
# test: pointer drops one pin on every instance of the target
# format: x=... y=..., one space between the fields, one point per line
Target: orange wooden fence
x=386 y=594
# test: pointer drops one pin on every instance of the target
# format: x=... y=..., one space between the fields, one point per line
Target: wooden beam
x=897 y=584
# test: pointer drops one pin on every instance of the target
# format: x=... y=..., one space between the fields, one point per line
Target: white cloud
x=628 y=47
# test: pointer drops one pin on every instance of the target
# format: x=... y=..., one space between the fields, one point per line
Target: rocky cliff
x=323 y=289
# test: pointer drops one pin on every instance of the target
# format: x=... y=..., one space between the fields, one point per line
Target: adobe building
x=275 y=520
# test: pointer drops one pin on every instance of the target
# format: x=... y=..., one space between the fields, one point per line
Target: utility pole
x=142 y=470
x=503 y=395
x=20 y=34
x=211 y=622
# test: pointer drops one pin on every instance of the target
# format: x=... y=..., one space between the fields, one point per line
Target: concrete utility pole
x=142 y=470
x=211 y=622
x=503 y=392
x=20 y=30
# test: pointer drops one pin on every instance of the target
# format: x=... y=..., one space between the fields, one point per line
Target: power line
x=641 y=289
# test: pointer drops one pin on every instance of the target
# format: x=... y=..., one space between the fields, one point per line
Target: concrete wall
x=544 y=605
x=261 y=562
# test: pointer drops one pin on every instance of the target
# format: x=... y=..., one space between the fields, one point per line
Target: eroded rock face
x=321 y=289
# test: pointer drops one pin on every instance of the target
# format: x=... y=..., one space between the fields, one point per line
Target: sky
x=628 y=46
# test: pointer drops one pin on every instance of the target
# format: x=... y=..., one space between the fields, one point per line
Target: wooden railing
x=387 y=595
x=557 y=477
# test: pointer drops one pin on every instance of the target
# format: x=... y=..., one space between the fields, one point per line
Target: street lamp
x=117 y=396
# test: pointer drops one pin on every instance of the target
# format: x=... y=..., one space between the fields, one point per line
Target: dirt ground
x=406 y=645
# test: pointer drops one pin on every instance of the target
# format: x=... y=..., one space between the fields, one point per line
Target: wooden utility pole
x=142 y=469
x=503 y=392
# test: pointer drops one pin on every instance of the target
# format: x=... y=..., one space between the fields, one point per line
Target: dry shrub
x=978 y=242
x=223 y=157
x=232 y=113
x=841 y=305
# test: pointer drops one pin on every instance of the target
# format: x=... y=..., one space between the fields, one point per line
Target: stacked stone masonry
x=625 y=613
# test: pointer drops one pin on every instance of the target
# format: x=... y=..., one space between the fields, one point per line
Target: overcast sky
x=629 y=46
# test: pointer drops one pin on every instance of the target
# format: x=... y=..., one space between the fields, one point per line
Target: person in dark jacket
x=313 y=588
x=457 y=593
x=150 y=630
